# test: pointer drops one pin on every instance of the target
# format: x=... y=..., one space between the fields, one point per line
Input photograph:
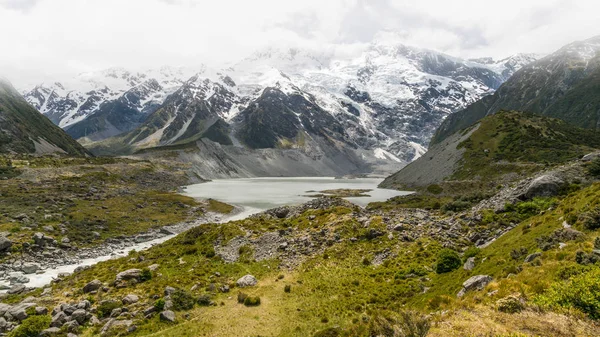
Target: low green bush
x=106 y=307
x=252 y=301
x=580 y=292
x=447 y=261
x=182 y=300
x=31 y=327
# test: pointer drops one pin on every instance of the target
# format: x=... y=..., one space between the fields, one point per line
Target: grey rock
x=53 y=331
x=5 y=244
x=92 y=286
x=131 y=274
x=30 y=268
x=153 y=267
x=85 y=305
x=41 y=311
x=246 y=281
x=469 y=264
x=115 y=326
x=79 y=315
x=17 y=289
x=168 y=316
x=59 y=319
x=477 y=282
x=169 y=291
x=544 y=186
x=590 y=156
x=17 y=277
x=532 y=257
x=130 y=299
x=71 y=326
x=70 y=334
x=65 y=240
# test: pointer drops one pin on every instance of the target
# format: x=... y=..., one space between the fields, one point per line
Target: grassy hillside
x=502 y=147
x=351 y=282
x=21 y=125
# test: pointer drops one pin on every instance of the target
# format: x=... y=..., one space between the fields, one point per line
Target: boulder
x=30 y=268
x=17 y=289
x=41 y=311
x=59 y=319
x=169 y=290
x=167 y=316
x=469 y=264
x=130 y=299
x=92 y=286
x=477 y=282
x=246 y=281
x=114 y=326
x=131 y=274
x=543 y=186
x=17 y=278
x=5 y=244
x=71 y=326
x=79 y=315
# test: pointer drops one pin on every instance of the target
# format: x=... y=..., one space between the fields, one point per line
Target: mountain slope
x=562 y=85
x=502 y=146
x=24 y=130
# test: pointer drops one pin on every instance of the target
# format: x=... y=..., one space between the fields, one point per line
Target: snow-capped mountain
x=75 y=99
x=386 y=100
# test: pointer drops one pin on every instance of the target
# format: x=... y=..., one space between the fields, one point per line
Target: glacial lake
x=254 y=195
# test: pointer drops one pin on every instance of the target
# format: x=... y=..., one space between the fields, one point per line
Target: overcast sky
x=43 y=39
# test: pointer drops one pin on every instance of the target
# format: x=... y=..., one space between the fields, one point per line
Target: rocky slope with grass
x=24 y=130
x=422 y=265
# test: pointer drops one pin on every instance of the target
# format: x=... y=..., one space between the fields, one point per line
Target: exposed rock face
x=246 y=281
x=477 y=282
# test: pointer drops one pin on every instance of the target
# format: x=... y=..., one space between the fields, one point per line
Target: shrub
x=182 y=300
x=581 y=292
x=287 y=288
x=106 y=307
x=594 y=168
x=159 y=305
x=435 y=189
x=252 y=301
x=146 y=275
x=241 y=297
x=31 y=327
x=591 y=220
x=448 y=260
x=204 y=300
x=510 y=304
